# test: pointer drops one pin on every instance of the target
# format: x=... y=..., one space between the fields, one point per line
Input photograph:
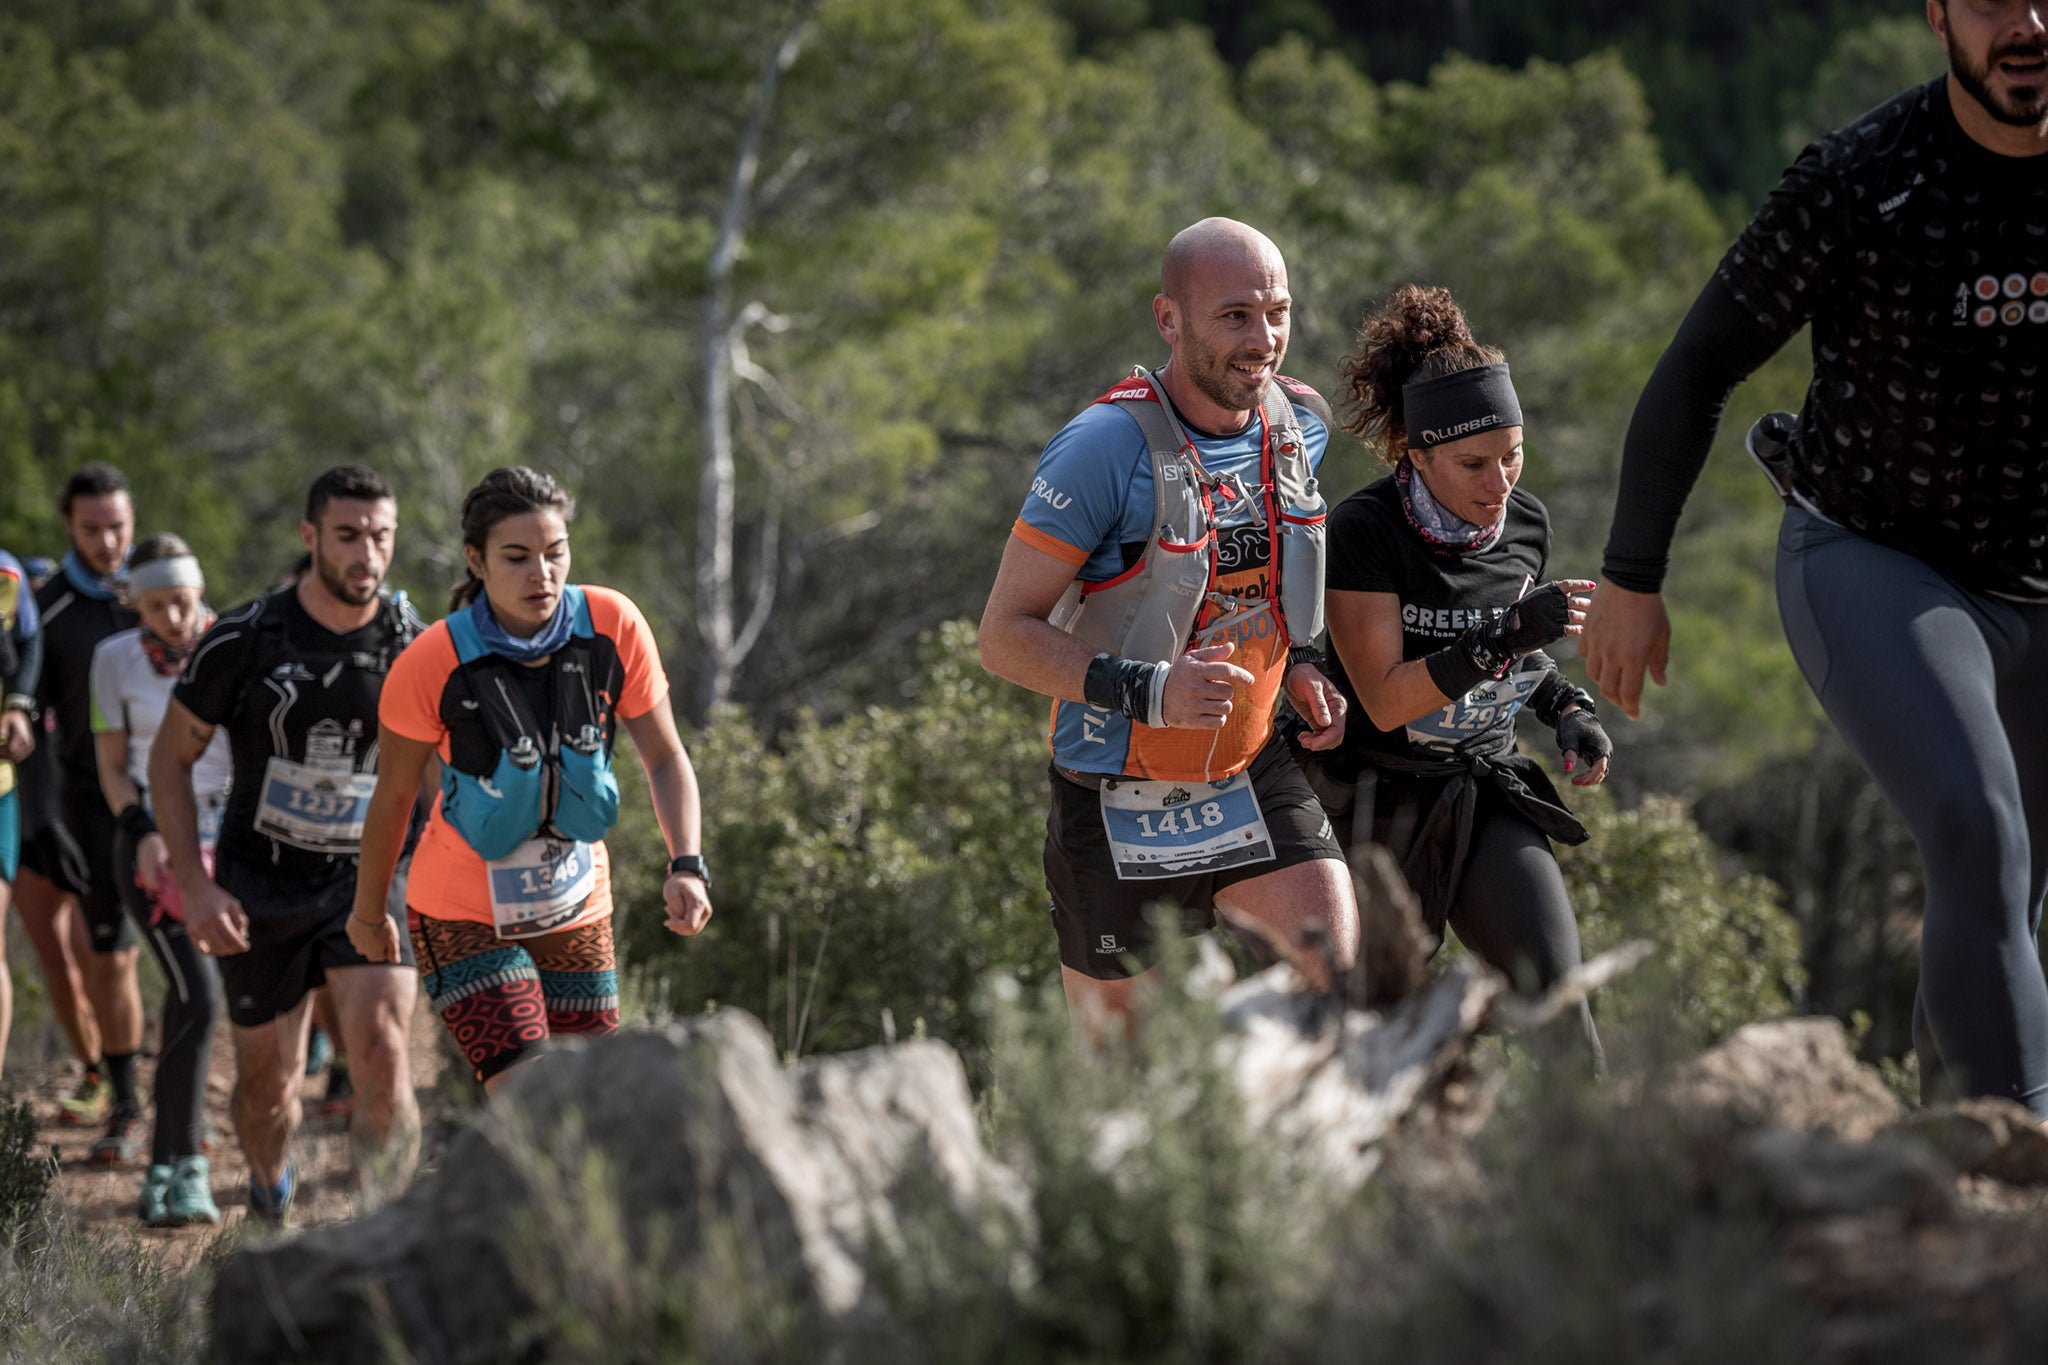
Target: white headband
x=179 y=571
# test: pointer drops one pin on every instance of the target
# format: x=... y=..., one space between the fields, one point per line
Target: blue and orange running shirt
x=1091 y=505
x=449 y=879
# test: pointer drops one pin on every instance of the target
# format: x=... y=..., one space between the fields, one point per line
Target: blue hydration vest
x=549 y=776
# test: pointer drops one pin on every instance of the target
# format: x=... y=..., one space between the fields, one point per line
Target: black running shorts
x=49 y=851
x=1104 y=927
x=296 y=936
x=76 y=855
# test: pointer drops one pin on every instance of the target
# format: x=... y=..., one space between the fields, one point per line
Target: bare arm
x=1365 y=629
x=672 y=783
x=671 y=780
x=180 y=741
x=110 y=747
x=212 y=917
x=400 y=761
x=1020 y=644
x=152 y=864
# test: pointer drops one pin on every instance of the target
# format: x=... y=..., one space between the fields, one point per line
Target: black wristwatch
x=692 y=863
x=1304 y=654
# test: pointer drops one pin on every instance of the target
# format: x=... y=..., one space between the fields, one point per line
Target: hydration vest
x=513 y=776
x=1153 y=610
x=273 y=646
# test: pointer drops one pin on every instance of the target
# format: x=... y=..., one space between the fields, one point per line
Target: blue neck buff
x=88 y=583
x=542 y=643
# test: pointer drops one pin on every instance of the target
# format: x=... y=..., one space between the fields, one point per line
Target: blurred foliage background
x=792 y=293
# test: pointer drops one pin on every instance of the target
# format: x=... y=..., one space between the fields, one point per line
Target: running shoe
x=156 y=1188
x=341 y=1092
x=121 y=1143
x=87 y=1106
x=189 y=1199
x=319 y=1051
x=274 y=1206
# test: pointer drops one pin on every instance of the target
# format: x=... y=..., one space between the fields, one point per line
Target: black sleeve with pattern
x=1361 y=546
x=212 y=681
x=1768 y=286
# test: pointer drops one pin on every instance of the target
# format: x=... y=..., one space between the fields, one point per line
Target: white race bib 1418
x=1173 y=829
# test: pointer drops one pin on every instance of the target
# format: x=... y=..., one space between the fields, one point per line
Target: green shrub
x=26 y=1171
x=1161 y=1231
x=875 y=868
x=880 y=867
x=73 y=1293
x=1727 y=952
x=1570 y=1229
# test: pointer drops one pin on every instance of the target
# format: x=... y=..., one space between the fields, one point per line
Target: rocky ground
x=686 y=1191
x=103 y=1198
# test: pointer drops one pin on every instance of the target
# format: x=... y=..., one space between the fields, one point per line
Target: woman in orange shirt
x=519 y=691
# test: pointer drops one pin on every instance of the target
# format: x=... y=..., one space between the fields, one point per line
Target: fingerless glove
x=1486 y=650
x=1581 y=733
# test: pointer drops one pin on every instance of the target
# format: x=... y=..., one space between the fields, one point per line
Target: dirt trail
x=104 y=1198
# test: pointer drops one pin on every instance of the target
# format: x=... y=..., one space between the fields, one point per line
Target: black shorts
x=296 y=936
x=76 y=855
x=1102 y=920
x=49 y=851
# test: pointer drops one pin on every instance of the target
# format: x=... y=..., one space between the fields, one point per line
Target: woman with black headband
x=1438 y=626
x=133 y=672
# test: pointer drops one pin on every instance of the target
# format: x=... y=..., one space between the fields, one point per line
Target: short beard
x=92 y=562
x=1977 y=80
x=1217 y=389
x=1213 y=378
x=338 y=584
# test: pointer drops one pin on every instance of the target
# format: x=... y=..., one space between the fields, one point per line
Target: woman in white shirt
x=132 y=676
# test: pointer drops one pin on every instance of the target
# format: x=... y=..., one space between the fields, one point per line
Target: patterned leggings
x=502 y=999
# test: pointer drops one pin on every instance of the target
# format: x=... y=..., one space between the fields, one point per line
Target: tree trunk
x=726 y=642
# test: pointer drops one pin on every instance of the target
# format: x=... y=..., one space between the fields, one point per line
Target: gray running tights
x=1938 y=689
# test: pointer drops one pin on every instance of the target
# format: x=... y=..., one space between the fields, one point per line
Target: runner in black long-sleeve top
x=1912 y=567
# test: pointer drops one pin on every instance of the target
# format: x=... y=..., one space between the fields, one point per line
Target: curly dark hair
x=1418 y=333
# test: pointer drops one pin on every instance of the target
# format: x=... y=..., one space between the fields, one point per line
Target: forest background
x=791 y=294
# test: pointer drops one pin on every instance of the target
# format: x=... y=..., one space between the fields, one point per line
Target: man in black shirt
x=1913 y=564
x=68 y=853
x=295 y=677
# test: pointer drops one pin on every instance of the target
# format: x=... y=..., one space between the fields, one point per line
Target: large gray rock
x=1795 y=1074
x=627 y=1161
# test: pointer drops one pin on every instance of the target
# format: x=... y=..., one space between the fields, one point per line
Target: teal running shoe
x=190 y=1197
x=156 y=1188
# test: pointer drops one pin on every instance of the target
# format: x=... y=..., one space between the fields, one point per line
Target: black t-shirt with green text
x=1373 y=548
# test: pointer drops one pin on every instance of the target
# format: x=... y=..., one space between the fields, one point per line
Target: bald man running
x=1163 y=585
